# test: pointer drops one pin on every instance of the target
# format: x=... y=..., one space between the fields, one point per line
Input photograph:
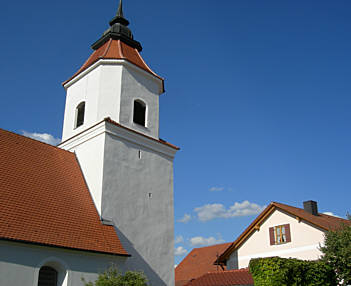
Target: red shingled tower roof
x=44 y=199
x=115 y=50
x=117 y=43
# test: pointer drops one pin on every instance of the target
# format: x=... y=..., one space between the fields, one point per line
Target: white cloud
x=185 y=219
x=216 y=189
x=179 y=251
x=202 y=241
x=332 y=214
x=178 y=239
x=212 y=211
x=43 y=137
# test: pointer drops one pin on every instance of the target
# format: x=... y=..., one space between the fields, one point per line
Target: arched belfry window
x=80 y=110
x=139 y=115
x=47 y=276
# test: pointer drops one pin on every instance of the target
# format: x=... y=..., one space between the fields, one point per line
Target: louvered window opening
x=47 y=276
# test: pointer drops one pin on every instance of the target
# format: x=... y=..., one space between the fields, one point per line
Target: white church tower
x=111 y=122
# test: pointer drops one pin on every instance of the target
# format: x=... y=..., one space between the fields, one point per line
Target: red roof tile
x=44 y=199
x=225 y=278
x=115 y=50
x=323 y=221
x=198 y=262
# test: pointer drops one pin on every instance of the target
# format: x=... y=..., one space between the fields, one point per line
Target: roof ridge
x=321 y=215
x=121 y=50
x=107 y=49
x=37 y=141
x=213 y=245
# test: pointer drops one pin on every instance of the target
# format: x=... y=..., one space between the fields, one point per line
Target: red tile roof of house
x=115 y=50
x=198 y=262
x=44 y=199
x=225 y=278
x=323 y=221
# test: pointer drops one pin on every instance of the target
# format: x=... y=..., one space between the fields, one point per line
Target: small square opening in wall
x=139 y=154
x=150 y=195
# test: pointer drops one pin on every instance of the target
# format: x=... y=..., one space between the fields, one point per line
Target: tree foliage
x=337 y=253
x=113 y=277
x=276 y=271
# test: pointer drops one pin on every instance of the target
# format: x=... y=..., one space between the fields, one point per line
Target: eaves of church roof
x=44 y=199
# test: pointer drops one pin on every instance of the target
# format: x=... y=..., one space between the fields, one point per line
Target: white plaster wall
x=109 y=92
x=20 y=264
x=145 y=225
x=137 y=85
x=304 y=244
x=89 y=149
x=85 y=89
x=109 y=89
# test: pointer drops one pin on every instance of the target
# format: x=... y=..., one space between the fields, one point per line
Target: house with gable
x=284 y=231
x=280 y=230
x=105 y=194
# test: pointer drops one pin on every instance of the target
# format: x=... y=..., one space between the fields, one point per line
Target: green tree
x=113 y=277
x=337 y=253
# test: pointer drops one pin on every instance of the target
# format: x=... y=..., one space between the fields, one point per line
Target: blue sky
x=257 y=96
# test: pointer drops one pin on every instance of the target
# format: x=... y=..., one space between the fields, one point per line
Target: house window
x=139 y=112
x=47 y=276
x=80 y=110
x=280 y=234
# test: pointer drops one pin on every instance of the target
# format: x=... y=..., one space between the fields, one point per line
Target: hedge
x=276 y=271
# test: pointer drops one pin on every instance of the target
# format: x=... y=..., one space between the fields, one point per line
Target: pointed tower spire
x=119 y=18
x=120 y=9
x=118 y=31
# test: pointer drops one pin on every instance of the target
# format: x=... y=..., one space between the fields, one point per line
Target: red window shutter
x=287 y=232
x=271 y=235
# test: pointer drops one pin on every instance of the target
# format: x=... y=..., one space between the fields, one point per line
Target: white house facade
x=284 y=231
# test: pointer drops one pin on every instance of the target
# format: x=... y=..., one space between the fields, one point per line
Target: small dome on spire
x=118 y=31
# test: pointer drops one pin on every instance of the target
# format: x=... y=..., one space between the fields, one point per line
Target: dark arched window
x=80 y=110
x=47 y=276
x=139 y=112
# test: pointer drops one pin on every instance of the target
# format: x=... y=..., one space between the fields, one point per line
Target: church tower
x=111 y=122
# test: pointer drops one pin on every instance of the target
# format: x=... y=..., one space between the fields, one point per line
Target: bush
x=275 y=271
x=337 y=253
x=113 y=277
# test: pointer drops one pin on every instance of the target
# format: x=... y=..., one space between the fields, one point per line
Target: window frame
x=280 y=234
x=80 y=108
x=59 y=265
x=51 y=270
x=145 y=109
